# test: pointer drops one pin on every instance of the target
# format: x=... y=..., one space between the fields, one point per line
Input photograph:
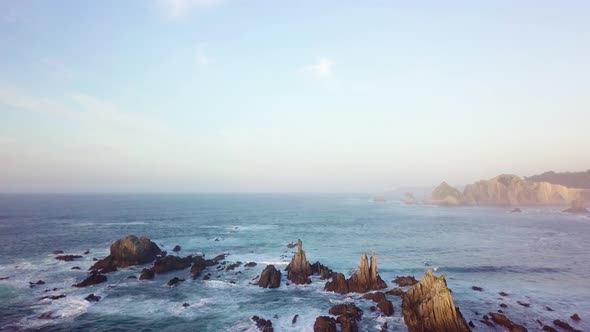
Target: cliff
x=568 y=179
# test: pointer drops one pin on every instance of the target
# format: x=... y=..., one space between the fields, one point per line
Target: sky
x=289 y=96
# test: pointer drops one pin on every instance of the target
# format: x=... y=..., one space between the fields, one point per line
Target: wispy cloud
x=175 y=9
x=322 y=68
x=202 y=58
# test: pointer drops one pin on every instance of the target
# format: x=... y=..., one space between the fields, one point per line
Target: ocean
x=540 y=257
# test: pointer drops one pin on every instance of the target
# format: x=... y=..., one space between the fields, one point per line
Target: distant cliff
x=507 y=190
x=568 y=179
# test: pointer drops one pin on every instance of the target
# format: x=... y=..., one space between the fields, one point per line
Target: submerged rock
x=477 y=289
x=382 y=303
x=174 y=281
x=575 y=317
x=404 y=281
x=93 y=279
x=147 y=274
x=549 y=328
x=232 y=266
x=250 y=264
x=58 y=252
x=516 y=210
x=324 y=324
x=92 y=298
x=36 y=283
x=53 y=297
x=67 y=258
x=429 y=306
x=577 y=207
x=564 y=325
x=75 y=268
x=270 y=277
x=507 y=323
x=523 y=304
x=264 y=325
x=176 y=248
x=128 y=251
x=299 y=269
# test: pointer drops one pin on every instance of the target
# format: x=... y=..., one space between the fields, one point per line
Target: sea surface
x=540 y=257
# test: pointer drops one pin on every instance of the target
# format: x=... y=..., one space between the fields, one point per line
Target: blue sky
x=327 y=96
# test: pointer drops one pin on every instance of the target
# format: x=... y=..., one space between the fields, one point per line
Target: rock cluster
x=364 y=279
x=264 y=325
x=429 y=306
x=382 y=302
x=506 y=322
x=128 y=251
x=270 y=277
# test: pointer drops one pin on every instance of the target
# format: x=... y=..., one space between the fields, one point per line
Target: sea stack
x=364 y=279
x=429 y=306
x=299 y=270
x=128 y=251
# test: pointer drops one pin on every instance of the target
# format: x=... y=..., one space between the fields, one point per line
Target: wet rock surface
x=395 y=292
x=128 y=251
x=364 y=279
x=270 y=277
x=67 y=258
x=264 y=325
x=502 y=320
x=93 y=279
x=92 y=298
x=299 y=269
x=147 y=274
x=404 y=281
x=382 y=303
x=324 y=324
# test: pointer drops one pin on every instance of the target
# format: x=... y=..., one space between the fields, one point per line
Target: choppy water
x=541 y=257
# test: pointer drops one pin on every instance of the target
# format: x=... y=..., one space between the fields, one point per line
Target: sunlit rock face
x=299 y=270
x=364 y=279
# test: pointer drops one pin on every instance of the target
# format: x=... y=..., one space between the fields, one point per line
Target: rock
x=86 y=252
x=294 y=320
x=347 y=324
x=324 y=324
x=93 y=279
x=337 y=285
x=172 y=263
x=577 y=207
x=58 y=252
x=299 y=269
x=147 y=274
x=395 y=292
x=429 y=306
x=503 y=305
x=487 y=323
x=128 y=251
x=523 y=304
x=563 y=325
x=92 y=298
x=516 y=210
x=507 y=323
x=132 y=277
x=199 y=264
x=176 y=248
x=4 y=278
x=185 y=305
x=67 y=258
x=53 y=297
x=382 y=303
x=291 y=245
x=366 y=278
x=232 y=266
x=263 y=325
x=250 y=264
x=549 y=328
x=349 y=310
x=218 y=258
x=548 y=308
x=471 y=324
x=323 y=271
x=575 y=317
x=46 y=315
x=270 y=277
x=75 y=268
x=174 y=281
x=476 y=288
x=444 y=194
x=36 y=283
x=503 y=294
x=405 y=281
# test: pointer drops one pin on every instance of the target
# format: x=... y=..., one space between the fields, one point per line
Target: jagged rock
x=347 y=324
x=471 y=324
x=337 y=285
x=429 y=306
x=172 y=263
x=323 y=271
x=299 y=269
x=185 y=305
x=324 y=324
x=405 y=281
x=575 y=317
x=199 y=264
x=382 y=303
x=264 y=325
x=503 y=305
x=395 y=292
x=549 y=328
x=131 y=277
x=548 y=308
x=174 y=281
x=67 y=258
x=577 y=207
x=270 y=277
x=366 y=277
x=523 y=304
x=86 y=252
x=503 y=294
x=564 y=325
x=147 y=274
x=232 y=266
x=294 y=320
x=92 y=298
x=218 y=258
x=128 y=251
x=250 y=264
x=349 y=310
x=93 y=279
x=476 y=288
x=507 y=323
x=36 y=283
x=53 y=297
x=291 y=245
x=176 y=248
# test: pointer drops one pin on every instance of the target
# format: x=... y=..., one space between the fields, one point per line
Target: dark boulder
x=128 y=251
x=185 y=305
x=147 y=274
x=36 y=283
x=67 y=258
x=549 y=328
x=507 y=323
x=324 y=324
x=92 y=298
x=264 y=325
x=93 y=279
x=323 y=271
x=53 y=297
x=218 y=258
x=199 y=264
x=477 y=289
x=503 y=294
x=349 y=310
x=250 y=264
x=337 y=285
x=429 y=306
x=404 y=281
x=58 y=252
x=174 y=281
x=382 y=303
x=523 y=304
x=575 y=317
x=395 y=292
x=347 y=324
x=564 y=325
x=516 y=210
x=75 y=268
x=232 y=266
x=270 y=277
x=131 y=277
x=294 y=320
x=172 y=263
x=176 y=248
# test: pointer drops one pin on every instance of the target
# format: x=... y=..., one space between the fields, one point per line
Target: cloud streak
x=321 y=69
x=175 y=9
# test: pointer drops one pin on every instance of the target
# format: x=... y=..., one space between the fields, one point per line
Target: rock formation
x=68 y=258
x=324 y=324
x=93 y=279
x=567 y=179
x=264 y=325
x=364 y=279
x=299 y=270
x=270 y=277
x=128 y=251
x=429 y=306
x=92 y=298
x=507 y=323
x=404 y=281
x=323 y=271
x=444 y=194
x=147 y=274
x=172 y=263
x=382 y=303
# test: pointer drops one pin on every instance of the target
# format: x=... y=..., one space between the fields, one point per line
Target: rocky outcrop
x=264 y=325
x=429 y=306
x=404 y=281
x=93 y=279
x=395 y=292
x=199 y=264
x=270 y=277
x=92 y=298
x=382 y=303
x=564 y=325
x=147 y=274
x=174 y=281
x=507 y=190
x=299 y=269
x=128 y=251
x=67 y=258
x=506 y=322
x=364 y=279
x=567 y=179
x=176 y=248
x=348 y=316
x=324 y=324
x=172 y=263
x=323 y=271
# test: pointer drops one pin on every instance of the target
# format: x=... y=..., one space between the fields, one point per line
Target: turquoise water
x=540 y=256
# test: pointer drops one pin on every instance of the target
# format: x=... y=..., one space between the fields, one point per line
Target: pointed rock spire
x=364 y=279
x=299 y=270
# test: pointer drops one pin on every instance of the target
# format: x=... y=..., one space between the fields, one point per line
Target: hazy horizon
x=226 y=96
